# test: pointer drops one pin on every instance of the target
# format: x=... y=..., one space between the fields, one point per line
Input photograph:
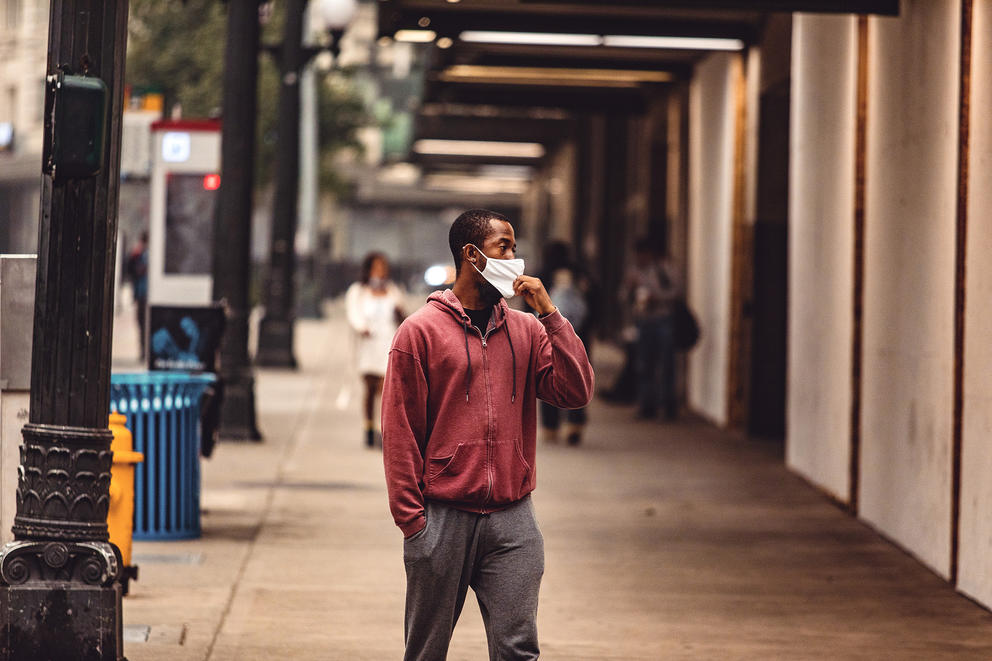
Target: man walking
x=459 y=423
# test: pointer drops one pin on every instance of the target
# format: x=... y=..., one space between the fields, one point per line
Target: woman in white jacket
x=374 y=309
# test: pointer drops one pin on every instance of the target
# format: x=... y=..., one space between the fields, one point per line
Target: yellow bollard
x=120 y=516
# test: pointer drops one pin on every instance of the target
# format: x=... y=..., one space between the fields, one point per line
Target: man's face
x=500 y=243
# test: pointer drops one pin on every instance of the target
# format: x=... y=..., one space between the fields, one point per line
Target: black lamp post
x=232 y=238
x=60 y=597
x=275 y=339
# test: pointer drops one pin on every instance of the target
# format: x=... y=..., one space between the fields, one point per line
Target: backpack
x=686 y=327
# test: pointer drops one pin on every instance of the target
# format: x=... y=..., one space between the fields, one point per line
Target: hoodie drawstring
x=468 y=357
x=513 y=362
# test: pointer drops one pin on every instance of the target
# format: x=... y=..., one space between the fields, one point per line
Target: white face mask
x=501 y=273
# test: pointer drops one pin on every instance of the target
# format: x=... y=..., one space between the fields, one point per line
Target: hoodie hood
x=446 y=300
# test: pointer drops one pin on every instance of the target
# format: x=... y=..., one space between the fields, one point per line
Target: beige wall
x=909 y=277
x=905 y=488
x=975 y=560
x=821 y=243
x=711 y=193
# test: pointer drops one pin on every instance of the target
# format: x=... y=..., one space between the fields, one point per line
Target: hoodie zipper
x=489 y=420
x=489 y=409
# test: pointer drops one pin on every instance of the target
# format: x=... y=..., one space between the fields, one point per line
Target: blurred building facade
x=23 y=53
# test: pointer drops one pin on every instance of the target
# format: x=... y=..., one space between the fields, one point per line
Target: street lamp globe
x=336 y=14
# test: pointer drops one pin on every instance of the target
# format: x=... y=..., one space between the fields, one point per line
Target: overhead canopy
x=574 y=55
x=718 y=18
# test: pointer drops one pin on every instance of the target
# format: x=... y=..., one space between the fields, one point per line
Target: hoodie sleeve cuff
x=552 y=321
x=413 y=527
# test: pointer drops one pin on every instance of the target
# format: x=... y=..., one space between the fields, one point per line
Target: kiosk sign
x=184 y=184
x=176 y=147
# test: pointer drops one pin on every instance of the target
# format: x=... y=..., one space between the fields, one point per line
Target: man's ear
x=470 y=253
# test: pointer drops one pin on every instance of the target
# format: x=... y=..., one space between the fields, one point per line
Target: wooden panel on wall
x=975 y=532
x=712 y=141
x=911 y=204
x=821 y=243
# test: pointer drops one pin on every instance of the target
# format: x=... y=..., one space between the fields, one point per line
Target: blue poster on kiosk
x=184 y=338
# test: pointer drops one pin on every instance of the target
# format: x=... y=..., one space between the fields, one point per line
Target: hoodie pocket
x=511 y=472
x=462 y=476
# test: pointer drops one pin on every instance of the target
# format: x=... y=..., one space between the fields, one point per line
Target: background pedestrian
x=137 y=272
x=573 y=291
x=374 y=306
x=651 y=290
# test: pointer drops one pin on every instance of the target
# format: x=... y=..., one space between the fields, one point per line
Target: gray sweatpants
x=500 y=555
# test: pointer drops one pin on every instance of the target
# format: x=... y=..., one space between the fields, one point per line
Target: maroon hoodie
x=459 y=409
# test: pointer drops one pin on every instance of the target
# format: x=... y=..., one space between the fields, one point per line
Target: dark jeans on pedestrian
x=656 y=366
x=141 y=312
x=499 y=555
x=551 y=416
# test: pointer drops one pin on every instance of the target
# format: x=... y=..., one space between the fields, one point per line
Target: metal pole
x=60 y=596
x=232 y=240
x=275 y=339
x=306 y=234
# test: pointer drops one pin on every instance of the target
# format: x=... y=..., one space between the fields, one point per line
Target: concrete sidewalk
x=664 y=541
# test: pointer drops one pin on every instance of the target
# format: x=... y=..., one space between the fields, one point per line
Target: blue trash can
x=163 y=414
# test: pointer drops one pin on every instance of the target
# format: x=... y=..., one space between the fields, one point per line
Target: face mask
x=377 y=283
x=501 y=273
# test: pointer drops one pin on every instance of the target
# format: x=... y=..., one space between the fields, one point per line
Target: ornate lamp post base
x=275 y=343
x=61 y=620
x=60 y=595
x=237 y=413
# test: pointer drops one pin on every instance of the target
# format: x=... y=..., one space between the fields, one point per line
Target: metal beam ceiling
x=679 y=62
x=394 y=16
x=440 y=161
x=883 y=7
x=630 y=100
x=448 y=123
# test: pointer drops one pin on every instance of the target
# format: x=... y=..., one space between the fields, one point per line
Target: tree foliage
x=177 y=48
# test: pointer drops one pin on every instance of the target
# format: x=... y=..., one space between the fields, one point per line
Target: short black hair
x=472 y=226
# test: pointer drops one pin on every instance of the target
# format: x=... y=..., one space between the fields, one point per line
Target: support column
x=232 y=249
x=615 y=221
x=275 y=338
x=59 y=592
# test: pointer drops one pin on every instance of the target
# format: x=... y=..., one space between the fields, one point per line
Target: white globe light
x=336 y=14
x=436 y=275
